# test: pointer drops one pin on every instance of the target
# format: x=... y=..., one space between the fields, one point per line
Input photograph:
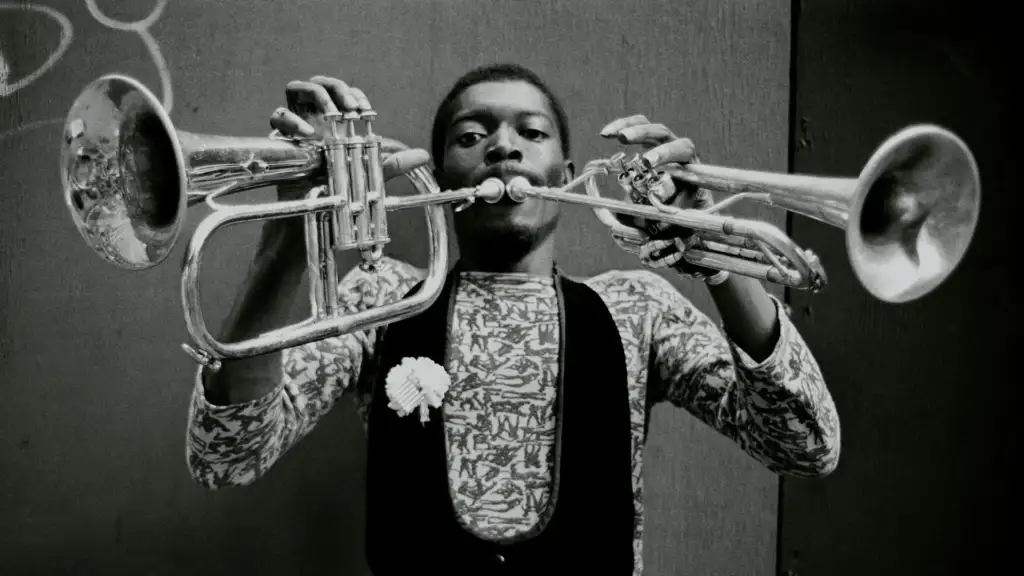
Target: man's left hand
x=666 y=153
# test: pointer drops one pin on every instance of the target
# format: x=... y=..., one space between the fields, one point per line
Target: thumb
x=404 y=161
x=390 y=145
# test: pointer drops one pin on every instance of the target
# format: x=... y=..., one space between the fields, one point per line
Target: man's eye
x=467 y=139
x=533 y=134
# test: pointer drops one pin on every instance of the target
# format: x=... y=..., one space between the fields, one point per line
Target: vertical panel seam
x=791 y=149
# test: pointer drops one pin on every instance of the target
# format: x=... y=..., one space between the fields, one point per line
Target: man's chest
x=503 y=361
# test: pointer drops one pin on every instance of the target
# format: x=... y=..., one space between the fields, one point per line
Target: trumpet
x=129 y=176
x=908 y=218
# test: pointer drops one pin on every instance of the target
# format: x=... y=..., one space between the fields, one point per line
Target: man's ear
x=569 y=171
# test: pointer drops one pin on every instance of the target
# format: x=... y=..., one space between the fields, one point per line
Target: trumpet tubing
x=909 y=217
x=129 y=176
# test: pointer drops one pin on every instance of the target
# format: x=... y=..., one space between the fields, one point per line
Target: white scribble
x=5 y=72
x=66 y=34
x=141 y=28
x=30 y=126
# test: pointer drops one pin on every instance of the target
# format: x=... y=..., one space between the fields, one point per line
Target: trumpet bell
x=915 y=210
x=123 y=173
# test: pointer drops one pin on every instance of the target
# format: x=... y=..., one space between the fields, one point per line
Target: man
x=534 y=463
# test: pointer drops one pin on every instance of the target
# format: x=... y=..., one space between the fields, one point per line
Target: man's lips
x=506 y=174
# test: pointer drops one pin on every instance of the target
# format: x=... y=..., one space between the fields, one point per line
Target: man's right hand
x=303 y=118
x=283 y=239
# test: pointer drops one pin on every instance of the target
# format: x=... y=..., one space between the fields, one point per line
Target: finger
x=289 y=123
x=630 y=238
x=681 y=150
x=670 y=260
x=307 y=98
x=646 y=134
x=626 y=245
x=671 y=255
x=702 y=199
x=343 y=96
x=405 y=161
x=664 y=262
x=633 y=241
x=612 y=129
x=364 y=102
x=391 y=146
x=654 y=248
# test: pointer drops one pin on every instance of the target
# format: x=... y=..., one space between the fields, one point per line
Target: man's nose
x=505 y=146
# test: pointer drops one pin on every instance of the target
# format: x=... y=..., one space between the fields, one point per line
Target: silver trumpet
x=129 y=176
x=909 y=217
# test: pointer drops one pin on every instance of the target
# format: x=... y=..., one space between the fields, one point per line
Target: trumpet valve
x=367 y=117
x=349 y=120
x=337 y=122
x=617 y=162
x=371 y=258
x=660 y=186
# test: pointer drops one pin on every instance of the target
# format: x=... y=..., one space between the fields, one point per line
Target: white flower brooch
x=416 y=383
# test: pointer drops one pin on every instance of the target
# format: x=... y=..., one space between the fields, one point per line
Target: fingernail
x=306 y=130
x=651 y=158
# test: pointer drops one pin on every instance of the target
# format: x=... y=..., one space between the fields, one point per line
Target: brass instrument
x=908 y=218
x=128 y=177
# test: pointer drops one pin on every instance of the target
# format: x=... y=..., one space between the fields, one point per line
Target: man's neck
x=539 y=261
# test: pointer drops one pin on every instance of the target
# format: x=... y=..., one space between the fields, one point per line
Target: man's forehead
x=515 y=98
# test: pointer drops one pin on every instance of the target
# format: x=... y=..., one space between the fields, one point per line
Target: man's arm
x=749 y=316
x=756 y=382
x=235 y=442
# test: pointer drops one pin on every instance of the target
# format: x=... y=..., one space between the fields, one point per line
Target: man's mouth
x=506 y=174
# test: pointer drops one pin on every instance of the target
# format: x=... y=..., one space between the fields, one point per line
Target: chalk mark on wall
x=7 y=88
x=141 y=28
x=5 y=71
x=30 y=126
x=66 y=34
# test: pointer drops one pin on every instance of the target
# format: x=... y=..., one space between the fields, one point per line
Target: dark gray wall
x=925 y=390
x=94 y=387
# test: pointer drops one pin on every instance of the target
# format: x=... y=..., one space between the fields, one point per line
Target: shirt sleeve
x=779 y=410
x=234 y=445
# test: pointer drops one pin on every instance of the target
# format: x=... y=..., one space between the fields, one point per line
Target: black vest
x=592 y=527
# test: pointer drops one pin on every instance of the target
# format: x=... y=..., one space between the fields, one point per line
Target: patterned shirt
x=499 y=418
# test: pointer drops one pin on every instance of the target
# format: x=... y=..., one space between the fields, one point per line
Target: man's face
x=504 y=129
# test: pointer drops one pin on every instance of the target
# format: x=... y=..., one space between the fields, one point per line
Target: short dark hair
x=501 y=72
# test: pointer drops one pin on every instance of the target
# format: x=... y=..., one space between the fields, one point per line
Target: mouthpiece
x=515 y=188
x=491 y=190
